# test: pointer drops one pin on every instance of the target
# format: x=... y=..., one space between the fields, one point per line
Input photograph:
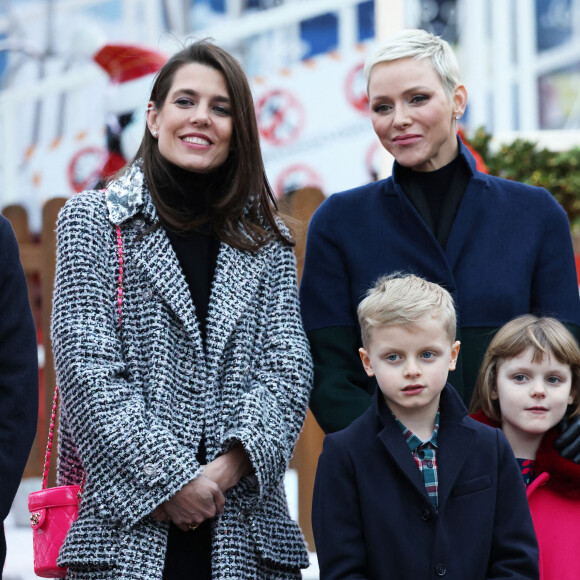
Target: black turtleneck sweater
x=436 y=194
x=197 y=251
x=189 y=553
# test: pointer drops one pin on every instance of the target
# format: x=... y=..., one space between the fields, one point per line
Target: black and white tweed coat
x=136 y=400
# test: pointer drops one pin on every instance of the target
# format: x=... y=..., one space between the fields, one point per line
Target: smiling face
x=411 y=365
x=194 y=125
x=533 y=396
x=412 y=115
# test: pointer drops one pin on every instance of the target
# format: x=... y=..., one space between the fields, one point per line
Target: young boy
x=415 y=489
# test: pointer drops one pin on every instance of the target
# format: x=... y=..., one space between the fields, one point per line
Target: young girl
x=528 y=382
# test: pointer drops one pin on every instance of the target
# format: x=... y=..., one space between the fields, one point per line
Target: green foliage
x=521 y=160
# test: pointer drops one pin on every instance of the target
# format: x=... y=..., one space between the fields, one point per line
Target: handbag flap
x=53 y=496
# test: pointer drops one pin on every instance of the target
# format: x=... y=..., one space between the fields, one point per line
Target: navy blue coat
x=509 y=252
x=372 y=517
x=18 y=374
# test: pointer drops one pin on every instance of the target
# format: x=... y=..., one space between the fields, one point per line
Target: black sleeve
x=18 y=369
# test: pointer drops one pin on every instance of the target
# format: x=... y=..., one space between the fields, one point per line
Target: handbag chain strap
x=55 y=398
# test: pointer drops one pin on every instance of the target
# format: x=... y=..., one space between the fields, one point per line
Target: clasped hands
x=203 y=497
x=195 y=502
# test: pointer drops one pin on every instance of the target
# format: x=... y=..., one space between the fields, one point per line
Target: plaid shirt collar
x=425 y=457
x=413 y=441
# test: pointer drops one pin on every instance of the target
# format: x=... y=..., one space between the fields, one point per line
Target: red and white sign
x=280 y=117
x=296 y=177
x=356 y=89
x=314 y=124
x=86 y=166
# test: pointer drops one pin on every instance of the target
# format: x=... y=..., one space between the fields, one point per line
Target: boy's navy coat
x=372 y=517
x=509 y=252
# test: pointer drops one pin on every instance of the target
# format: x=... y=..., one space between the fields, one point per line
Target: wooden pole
x=48 y=267
x=300 y=206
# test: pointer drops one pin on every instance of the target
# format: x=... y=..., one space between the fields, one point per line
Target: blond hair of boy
x=408 y=328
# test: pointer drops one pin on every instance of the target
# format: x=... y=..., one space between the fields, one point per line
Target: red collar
x=564 y=474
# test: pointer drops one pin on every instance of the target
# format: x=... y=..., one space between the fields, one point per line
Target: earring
x=155 y=134
x=457 y=117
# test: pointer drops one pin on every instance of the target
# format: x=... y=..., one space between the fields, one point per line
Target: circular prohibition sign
x=86 y=166
x=295 y=177
x=356 y=89
x=280 y=116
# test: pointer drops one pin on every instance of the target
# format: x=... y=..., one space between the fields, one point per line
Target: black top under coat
x=436 y=194
x=190 y=193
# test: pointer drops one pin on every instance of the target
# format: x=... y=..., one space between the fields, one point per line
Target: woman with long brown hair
x=183 y=367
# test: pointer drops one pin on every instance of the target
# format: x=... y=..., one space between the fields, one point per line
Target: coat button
x=139 y=223
x=147 y=294
x=149 y=470
x=440 y=570
x=426 y=514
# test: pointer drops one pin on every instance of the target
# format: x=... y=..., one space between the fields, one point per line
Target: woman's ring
x=193 y=526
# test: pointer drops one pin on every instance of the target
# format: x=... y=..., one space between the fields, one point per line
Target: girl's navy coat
x=372 y=517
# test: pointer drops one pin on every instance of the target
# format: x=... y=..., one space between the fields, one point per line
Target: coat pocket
x=277 y=537
x=91 y=544
x=471 y=486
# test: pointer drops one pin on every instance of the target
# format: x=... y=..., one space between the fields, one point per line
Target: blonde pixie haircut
x=542 y=334
x=418 y=44
x=405 y=300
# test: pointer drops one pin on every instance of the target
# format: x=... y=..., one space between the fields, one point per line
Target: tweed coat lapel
x=129 y=197
x=236 y=279
x=157 y=258
x=236 y=282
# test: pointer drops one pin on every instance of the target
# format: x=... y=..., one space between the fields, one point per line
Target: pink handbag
x=53 y=510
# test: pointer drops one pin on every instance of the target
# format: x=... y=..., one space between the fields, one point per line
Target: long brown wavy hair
x=245 y=214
